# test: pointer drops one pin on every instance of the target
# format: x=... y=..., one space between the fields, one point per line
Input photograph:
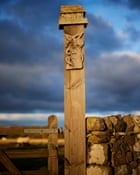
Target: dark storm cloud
x=31 y=60
x=114 y=82
x=36 y=13
x=101 y=36
x=31 y=56
x=30 y=88
x=117 y=2
x=132 y=4
x=3 y=2
x=29 y=30
x=133 y=33
x=29 y=33
x=20 y=46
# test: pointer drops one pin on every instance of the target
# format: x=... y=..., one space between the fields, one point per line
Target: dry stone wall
x=113 y=145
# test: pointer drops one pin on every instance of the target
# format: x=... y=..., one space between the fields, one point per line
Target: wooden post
x=72 y=20
x=52 y=147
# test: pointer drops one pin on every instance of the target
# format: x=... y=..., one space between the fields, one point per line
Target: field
x=28 y=144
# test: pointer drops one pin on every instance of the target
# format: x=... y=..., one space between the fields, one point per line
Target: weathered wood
x=34 y=153
x=19 y=130
x=8 y=164
x=52 y=147
x=73 y=22
x=74 y=93
x=72 y=14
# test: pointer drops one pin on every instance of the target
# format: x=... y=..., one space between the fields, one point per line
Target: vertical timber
x=52 y=146
x=72 y=20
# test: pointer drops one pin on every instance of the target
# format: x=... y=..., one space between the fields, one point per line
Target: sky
x=31 y=58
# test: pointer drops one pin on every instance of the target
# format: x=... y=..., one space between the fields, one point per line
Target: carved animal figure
x=74 y=51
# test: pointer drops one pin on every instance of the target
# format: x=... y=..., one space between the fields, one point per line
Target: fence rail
x=50 y=152
x=24 y=130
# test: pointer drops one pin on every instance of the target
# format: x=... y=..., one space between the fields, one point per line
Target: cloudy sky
x=31 y=57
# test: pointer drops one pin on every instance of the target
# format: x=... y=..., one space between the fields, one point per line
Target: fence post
x=52 y=146
x=72 y=20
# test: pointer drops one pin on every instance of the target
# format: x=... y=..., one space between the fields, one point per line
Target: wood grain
x=74 y=109
x=52 y=147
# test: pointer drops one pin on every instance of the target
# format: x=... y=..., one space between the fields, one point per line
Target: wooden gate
x=51 y=132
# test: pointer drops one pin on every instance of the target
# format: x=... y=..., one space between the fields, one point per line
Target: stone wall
x=113 y=145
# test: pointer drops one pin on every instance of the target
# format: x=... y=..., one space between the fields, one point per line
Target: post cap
x=72 y=14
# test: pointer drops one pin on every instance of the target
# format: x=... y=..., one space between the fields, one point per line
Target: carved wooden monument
x=74 y=51
x=72 y=20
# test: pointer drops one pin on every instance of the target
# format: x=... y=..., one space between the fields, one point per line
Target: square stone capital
x=72 y=15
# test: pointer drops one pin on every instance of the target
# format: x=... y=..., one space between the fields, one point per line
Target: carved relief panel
x=74 y=56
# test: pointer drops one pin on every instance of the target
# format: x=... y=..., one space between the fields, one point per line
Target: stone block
x=98 y=137
x=129 y=157
x=129 y=139
x=121 y=170
x=95 y=124
x=129 y=123
x=120 y=144
x=136 y=120
x=108 y=123
x=99 y=170
x=136 y=146
x=98 y=154
x=136 y=155
x=136 y=171
x=133 y=164
x=120 y=126
x=113 y=120
x=118 y=158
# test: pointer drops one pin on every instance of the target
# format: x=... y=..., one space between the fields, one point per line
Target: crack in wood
x=67 y=128
x=75 y=84
x=75 y=164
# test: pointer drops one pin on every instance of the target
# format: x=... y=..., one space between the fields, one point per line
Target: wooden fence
x=50 y=152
